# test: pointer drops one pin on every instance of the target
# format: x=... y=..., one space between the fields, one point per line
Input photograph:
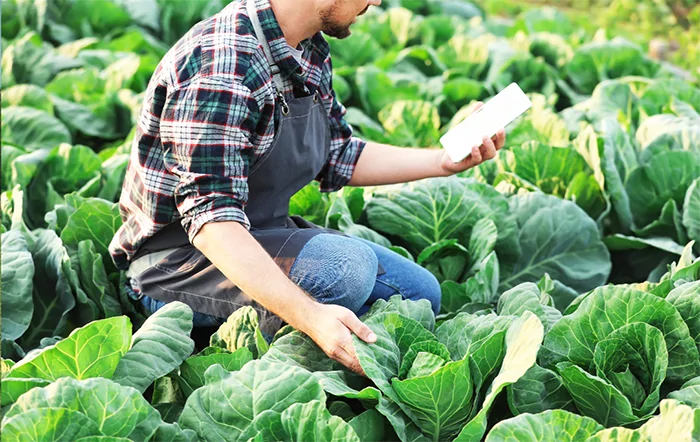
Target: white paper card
x=497 y=113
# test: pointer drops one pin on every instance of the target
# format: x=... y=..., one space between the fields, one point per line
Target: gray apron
x=299 y=152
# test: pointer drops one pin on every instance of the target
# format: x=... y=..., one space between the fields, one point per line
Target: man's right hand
x=252 y=269
x=330 y=326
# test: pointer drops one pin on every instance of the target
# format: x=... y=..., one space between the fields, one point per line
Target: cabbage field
x=568 y=264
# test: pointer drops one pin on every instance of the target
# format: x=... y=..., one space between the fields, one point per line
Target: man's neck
x=297 y=18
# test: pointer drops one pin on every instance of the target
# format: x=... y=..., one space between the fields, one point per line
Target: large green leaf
x=259 y=387
x=381 y=360
x=358 y=49
x=469 y=55
x=33 y=129
x=88 y=352
x=623 y=242
x=299 y=350
x=481 y=243
x=27 y=95
x=595 y=62
x=666 y=177
x=302 y=422
x=29 y=60
x=17 y=274
x=440 y=412
x=114 y=168
x=192 y=370
x=559 y=425
x=677 y=422
x=378 y=89
x=527 y=296
x=446 y=259
x=157 y=348
x=523 y=341
x=391 y=29
x=666 y=132
x=532 y=74
x=617 y=160
x=691 y=211
x=343 y=213
x=422 y=213
x=48 y=425
x=13 y=388
x=411 y=123
x=403 y=426
x=479 y=338
x=689 y=394
x=539 y=390
x=549 y=168
x=613 y=100
x=95 y=219
x=52 y=296
x=310 y=203
x=239 y=331
x=633 y=359
x=630 y=365
x=540 y=124
x=686 y=299
x=466 y=334
x=480 y=289
x=558 y=238
x=419 y=310
x=660 y=93
x=546 y=19
x=115 y=410
x=369 y=426
x=66 y=169
x=609 y=308
x=94 y=280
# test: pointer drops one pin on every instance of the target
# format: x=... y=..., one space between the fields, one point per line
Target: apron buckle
x=285 y=106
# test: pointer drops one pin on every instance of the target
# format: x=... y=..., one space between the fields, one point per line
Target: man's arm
x=381 y=164
x=252 y=269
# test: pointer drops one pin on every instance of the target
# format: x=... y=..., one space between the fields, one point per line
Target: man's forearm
x=381 y=164
x=252 y=269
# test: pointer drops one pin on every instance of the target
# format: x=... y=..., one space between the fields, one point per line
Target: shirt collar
x=281 y=54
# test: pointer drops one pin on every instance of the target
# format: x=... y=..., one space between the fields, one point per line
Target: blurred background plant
x=668 y=29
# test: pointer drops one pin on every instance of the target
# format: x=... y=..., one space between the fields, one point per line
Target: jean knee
x=426 y=286
x=336 y=270
x=433 y=292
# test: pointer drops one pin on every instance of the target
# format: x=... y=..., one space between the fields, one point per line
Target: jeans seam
x=226 y=301
x=398 y=292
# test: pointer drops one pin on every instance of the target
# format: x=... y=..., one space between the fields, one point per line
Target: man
x=238 y=116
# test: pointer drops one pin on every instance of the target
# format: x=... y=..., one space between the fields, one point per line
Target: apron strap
x=276 y=77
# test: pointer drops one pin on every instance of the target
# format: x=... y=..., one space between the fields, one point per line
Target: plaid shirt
x=208 y=117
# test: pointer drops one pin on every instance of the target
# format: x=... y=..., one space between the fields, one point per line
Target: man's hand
x=331 y=326
x=478 y=155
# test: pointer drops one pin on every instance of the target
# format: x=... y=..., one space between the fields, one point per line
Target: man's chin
x=338 y=31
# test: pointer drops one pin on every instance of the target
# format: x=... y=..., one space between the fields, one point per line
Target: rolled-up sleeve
x=206 y=129
x=344 y=153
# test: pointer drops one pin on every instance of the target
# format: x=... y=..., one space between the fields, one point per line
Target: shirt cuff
x=344 y=170
x=195 y=222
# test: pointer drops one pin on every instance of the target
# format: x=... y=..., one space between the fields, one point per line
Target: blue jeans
x=340 y=270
